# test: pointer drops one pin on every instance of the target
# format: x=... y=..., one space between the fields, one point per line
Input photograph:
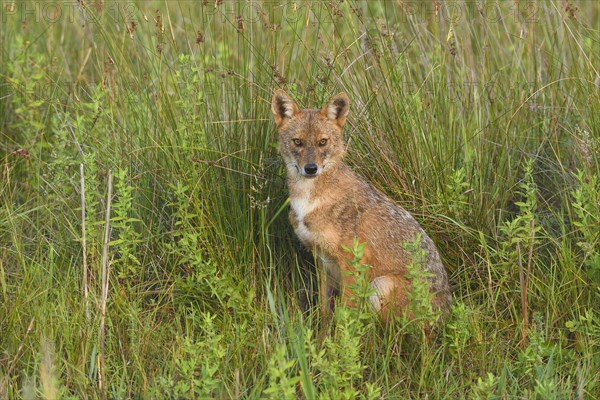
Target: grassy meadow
x=145 y=250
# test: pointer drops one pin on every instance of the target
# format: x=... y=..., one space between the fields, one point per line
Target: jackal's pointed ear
x=337 y=109
x=283 y=107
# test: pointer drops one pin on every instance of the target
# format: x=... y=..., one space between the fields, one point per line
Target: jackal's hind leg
x=390 y=297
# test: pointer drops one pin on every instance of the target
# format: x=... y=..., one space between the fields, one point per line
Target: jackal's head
x=310 y=141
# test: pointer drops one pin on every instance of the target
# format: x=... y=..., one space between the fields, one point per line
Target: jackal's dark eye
x=322 y=142
x=297 y=142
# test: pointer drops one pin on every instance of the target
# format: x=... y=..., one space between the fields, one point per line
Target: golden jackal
x=331 y=206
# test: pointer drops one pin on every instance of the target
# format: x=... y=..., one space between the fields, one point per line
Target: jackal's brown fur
x=331 y=206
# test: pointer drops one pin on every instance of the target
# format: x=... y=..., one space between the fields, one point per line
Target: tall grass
x=480 y=118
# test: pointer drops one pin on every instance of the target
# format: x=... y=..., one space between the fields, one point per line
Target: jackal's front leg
x=328 y=285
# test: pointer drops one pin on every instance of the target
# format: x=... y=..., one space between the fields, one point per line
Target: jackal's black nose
x=310 y=169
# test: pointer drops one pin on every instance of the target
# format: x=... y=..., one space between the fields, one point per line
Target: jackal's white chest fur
x=303 y=203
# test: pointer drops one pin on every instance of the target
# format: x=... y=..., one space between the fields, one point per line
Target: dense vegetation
x=181 y=278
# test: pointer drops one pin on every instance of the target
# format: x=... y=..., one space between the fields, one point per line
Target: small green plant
x=455 y=195
x=197 y=365
x=338 y=365
x=420 y=297
x=279 y=369
x=201 y=280
x=536 y=362
x=519 y=238
x=586 y=204
x=26 y=77
x=458 y=332
x=485 y=388
x=190 y=99
x=360 y=288
x=127 y=264
x=586 y=330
